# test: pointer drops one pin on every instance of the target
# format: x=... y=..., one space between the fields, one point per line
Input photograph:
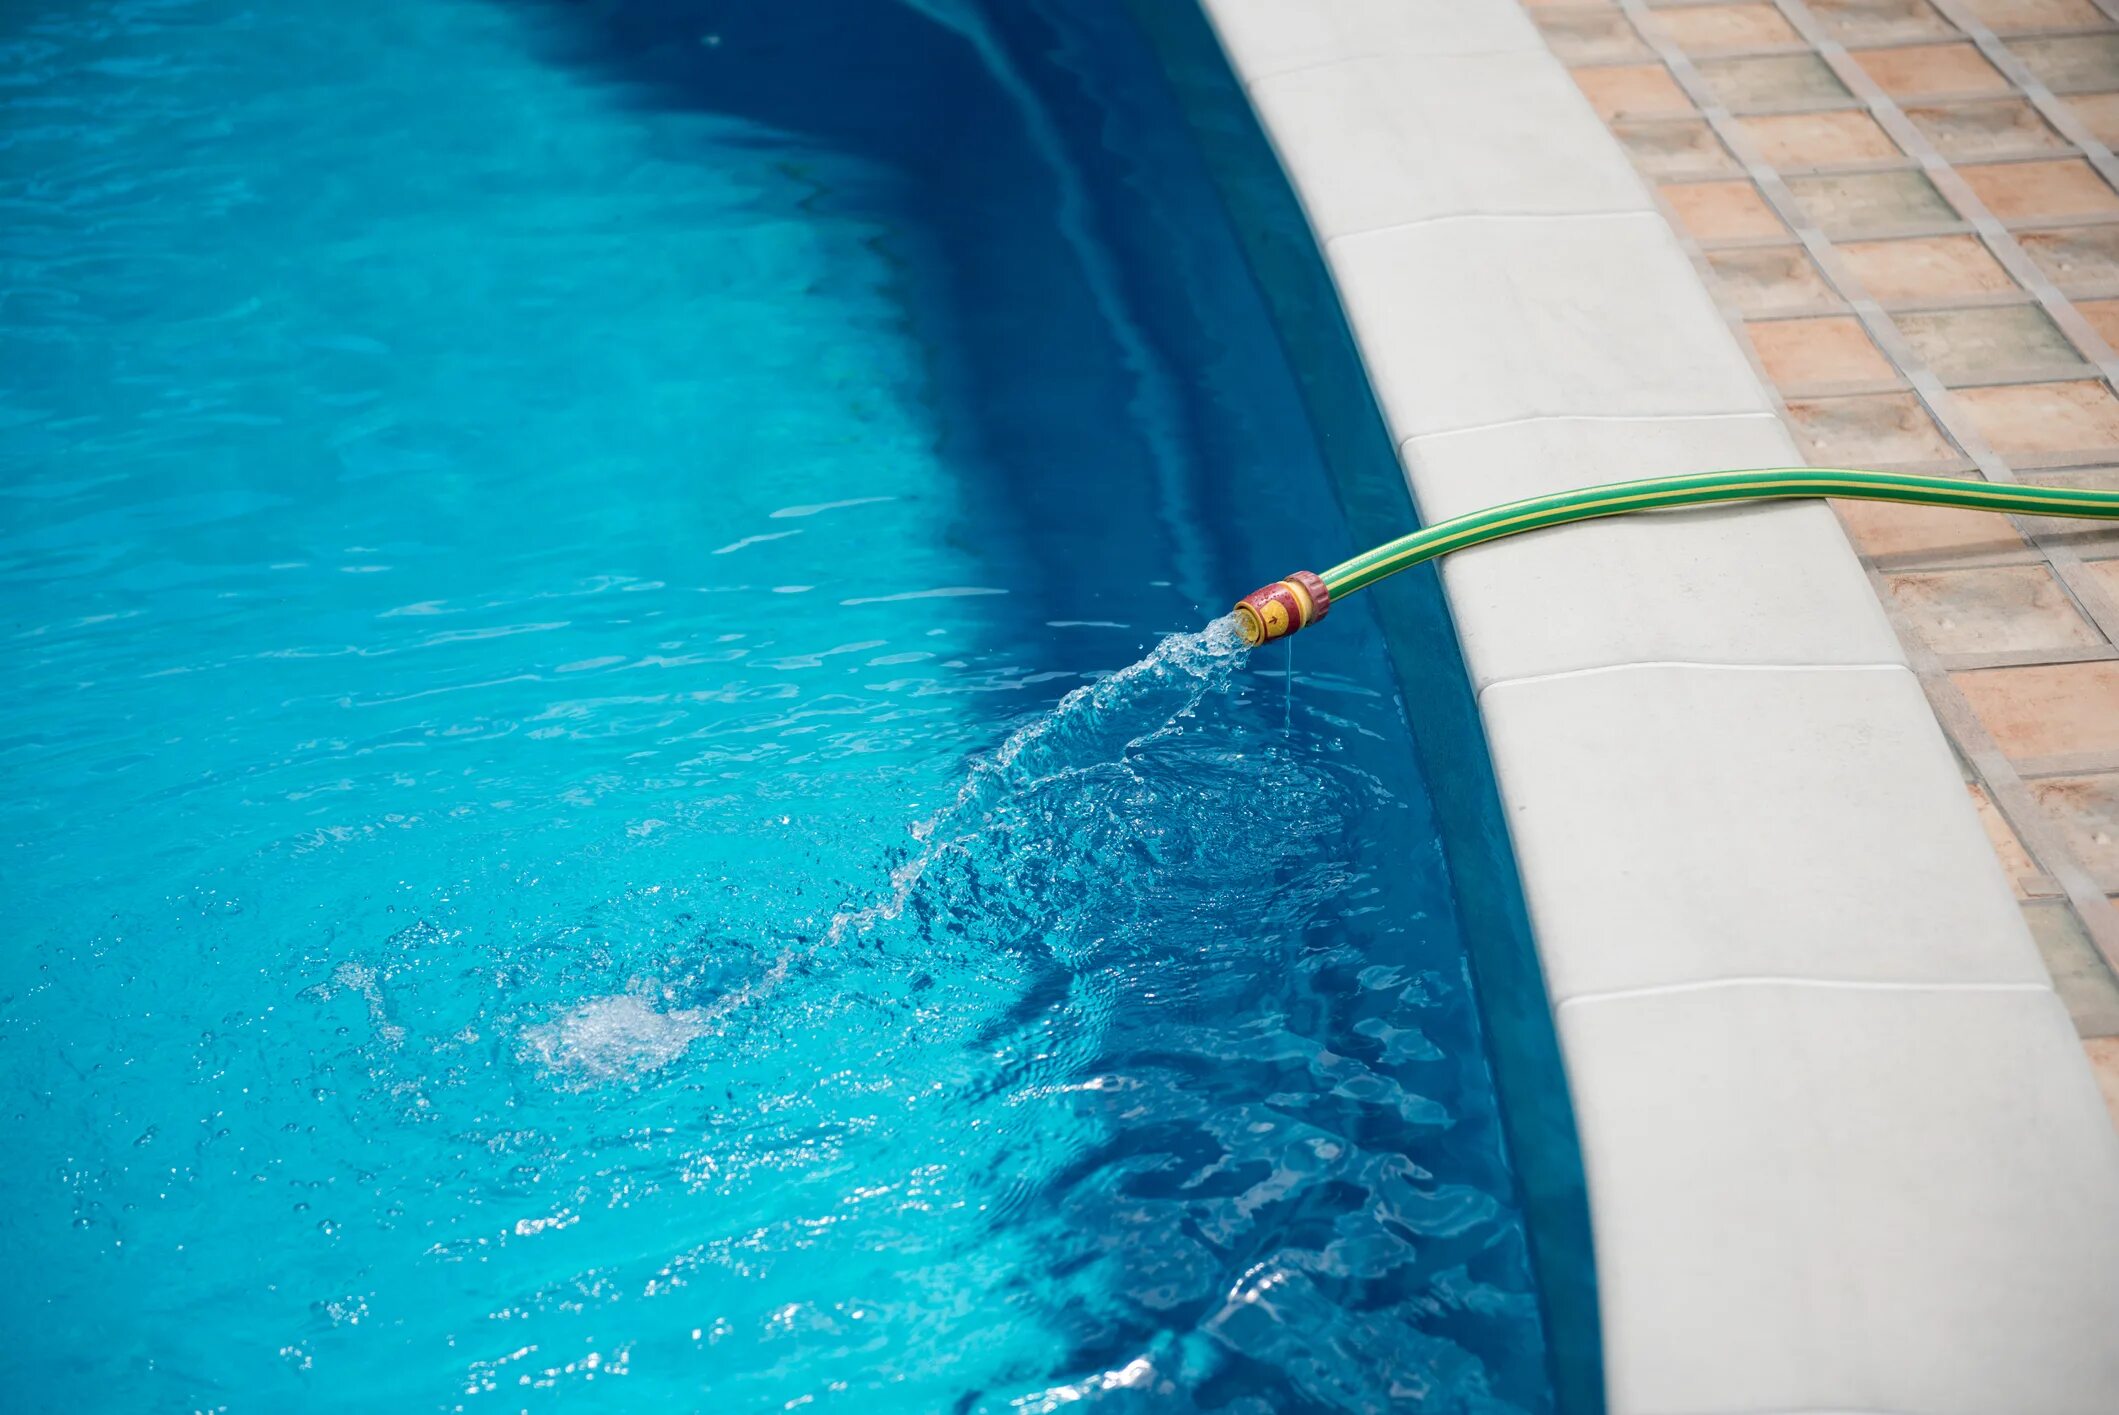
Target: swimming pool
x=519 y=521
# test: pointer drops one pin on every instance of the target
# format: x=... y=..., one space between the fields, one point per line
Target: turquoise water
x=540 y=545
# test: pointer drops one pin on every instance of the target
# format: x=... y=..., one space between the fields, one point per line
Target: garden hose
x=1300 y=600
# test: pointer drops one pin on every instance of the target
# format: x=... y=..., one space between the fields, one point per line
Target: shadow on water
x=1032 y=215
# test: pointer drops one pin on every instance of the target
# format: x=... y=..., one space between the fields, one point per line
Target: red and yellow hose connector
x=1284 y=606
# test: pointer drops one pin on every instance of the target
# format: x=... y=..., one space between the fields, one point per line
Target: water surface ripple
x=580 y=829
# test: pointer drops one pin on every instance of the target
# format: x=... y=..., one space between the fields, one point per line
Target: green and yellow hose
x=1302 y=598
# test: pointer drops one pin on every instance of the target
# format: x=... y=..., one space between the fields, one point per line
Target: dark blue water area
x=600 y=810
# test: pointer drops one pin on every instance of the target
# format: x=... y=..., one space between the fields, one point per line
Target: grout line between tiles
x=1697 y=665
x=1937 y=304
x=2034 y=769
x=1536 y=418
x=2050 y=107
x=1444 y=217
x=1779 y=981
x=1872 y=166
x=1449 y=216
x=2019 y=658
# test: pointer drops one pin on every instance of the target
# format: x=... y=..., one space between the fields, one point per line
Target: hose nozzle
x=1284 y=606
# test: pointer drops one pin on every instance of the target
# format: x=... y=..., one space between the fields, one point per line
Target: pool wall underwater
x=1443 y=711
x=1842 y=1151
x=518 y=518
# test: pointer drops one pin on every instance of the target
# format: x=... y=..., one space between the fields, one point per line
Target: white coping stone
x=1468 y=322
x=1381 y=136
x=1273 y=36
x=1850 y=1192
x=1688 y=824
x=1832 y=1199
x=1751 y=584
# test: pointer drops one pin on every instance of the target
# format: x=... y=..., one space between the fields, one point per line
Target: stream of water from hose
x=1096 y=726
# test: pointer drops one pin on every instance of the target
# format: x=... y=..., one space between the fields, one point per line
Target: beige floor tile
x=2049 y=710
x=1871 y=430
x=2086 y=808
x=2103 y=1054
x=1926 y=268
x=1722 y=211
x=2099 y=112
x=1782 y=81
x=1930 y=69
x=2079 y=973
x=1988 y=344
x=1871 y=202
x=1935 y=535
x=1819 y=139
x=1880 y=21
x=1701 y=29
x=2076 y=63
x=1632 y=91
x=1595 y=36
x=1985 y=128
x=2103 y=316
x=2016 y=862
x=2039 y=418
x=1664 y=148
x=2027 y=16
x=1770 y=280
x=2081 y=260
x=1801 y=352
x=2023 y=191
x=2000 y=609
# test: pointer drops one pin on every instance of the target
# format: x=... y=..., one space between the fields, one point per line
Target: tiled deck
x=1908 y=209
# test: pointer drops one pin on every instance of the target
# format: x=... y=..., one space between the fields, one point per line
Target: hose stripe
x=1777 y=483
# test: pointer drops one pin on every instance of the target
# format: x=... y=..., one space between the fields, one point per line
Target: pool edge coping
x=1412 y=232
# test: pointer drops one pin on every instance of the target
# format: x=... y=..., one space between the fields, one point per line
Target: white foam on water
x=608 y=1038
x=1137 y=1374
x=363 y=980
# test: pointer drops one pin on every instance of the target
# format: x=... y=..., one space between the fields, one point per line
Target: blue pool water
x=539 y=544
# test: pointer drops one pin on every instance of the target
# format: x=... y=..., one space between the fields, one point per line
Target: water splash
x=609 y=1038
x=1099 y=721
x=626 y=1035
